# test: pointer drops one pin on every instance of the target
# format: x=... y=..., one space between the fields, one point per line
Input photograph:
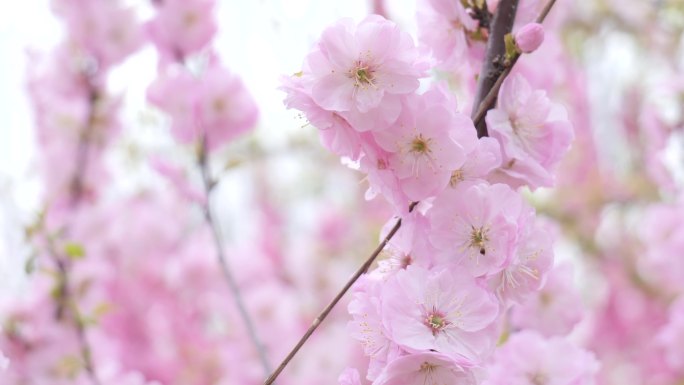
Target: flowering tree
x=517 y=250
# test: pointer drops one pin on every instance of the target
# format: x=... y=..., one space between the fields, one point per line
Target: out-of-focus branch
x=209 y=183
x=66 y=299
x=82 y=151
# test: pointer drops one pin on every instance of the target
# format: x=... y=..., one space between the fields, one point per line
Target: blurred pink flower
x=425 y=368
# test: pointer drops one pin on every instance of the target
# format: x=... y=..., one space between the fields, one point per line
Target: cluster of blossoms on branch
x=472 y=250
x=125 y=288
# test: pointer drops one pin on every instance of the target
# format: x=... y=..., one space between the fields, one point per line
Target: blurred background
x=294 y=218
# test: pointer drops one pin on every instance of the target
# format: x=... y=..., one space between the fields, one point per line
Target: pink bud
x=529 y=37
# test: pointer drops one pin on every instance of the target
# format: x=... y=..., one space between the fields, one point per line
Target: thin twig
x=364 y=268
x=81 y=162
x=478 y=117
x=69 y=302
x=209 y=183
x=75 y=195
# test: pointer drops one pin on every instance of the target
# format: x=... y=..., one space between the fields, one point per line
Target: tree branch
x=364 y=268
x=481 y=107
x=67 y=300
x=494 y=57
x=209 y=183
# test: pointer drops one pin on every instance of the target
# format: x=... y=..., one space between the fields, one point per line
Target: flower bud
x=529 y=37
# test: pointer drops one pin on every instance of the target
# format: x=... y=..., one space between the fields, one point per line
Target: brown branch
x=209 y=184
x=480 y=108
x=81 y=163
x=66 y=301
x=66 y=298
x=494 y=57
x=364 y=268
x=478 y=118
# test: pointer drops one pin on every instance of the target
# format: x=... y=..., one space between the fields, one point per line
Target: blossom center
x=420 y=145
x=436 y=321
x=427 y=367
x=363 y=75
x=456 y=177
x=538 y=379
x=479 y=238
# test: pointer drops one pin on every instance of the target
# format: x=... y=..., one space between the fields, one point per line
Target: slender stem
x=81 y=162
x=67 y=300
x=364 y=268
x=478 y=117
x=209 y=184
x=494 y=57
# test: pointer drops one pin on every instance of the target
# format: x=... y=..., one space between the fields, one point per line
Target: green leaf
x=74 y=250
x=511 y=48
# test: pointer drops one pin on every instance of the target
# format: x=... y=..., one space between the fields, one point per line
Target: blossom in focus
x=355 y=67
x=531 y=261
x=476 y=226
x=534 y=133
x=428 y=142
x=439 y=310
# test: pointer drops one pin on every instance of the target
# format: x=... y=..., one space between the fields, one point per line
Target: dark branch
x=494 y=58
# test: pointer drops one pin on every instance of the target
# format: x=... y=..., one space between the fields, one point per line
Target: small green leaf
x=511 y=48
x=74 y=250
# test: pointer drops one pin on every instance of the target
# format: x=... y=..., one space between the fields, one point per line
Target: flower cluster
x=472 y=248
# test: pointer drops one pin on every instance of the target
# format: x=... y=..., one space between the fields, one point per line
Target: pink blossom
x=410 y=245
x=216 y=105
x=428 y=142
x=182 y=27
x=529 y=359
x=529 y=37
x=663 y=238
x=350 y=376
x=476 y=226
x=425 y=368
x=534 y=133
x=526 y=273
x=443 y=27
x=366 y=324
x=671 y=336
x=105 y=30
x=4 y=362
x=336 y=134
x=555 y=309
x=225 y=108
x=482 y=160
x=354 y=67
x=440 y=310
